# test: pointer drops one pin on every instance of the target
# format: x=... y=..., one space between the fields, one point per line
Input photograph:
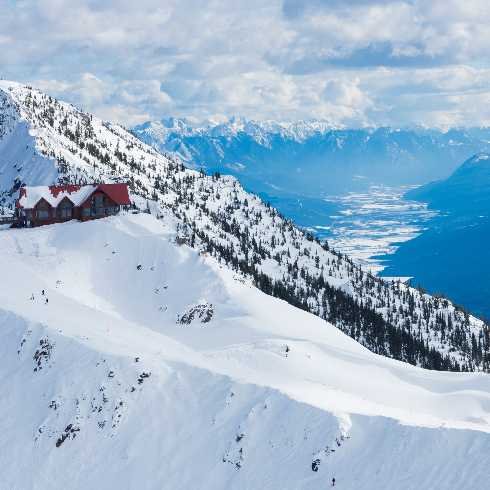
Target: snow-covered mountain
x=260 y=131
x=155 y=367
x=306 y=169
x=212 y=343
x=217 y=215
x=315 y=158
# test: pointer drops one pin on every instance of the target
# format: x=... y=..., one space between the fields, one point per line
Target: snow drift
x=105 y=387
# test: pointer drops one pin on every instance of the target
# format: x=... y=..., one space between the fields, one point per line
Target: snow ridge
x=261 y=131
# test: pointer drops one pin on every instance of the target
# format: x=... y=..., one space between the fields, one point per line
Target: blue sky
x=355 y=62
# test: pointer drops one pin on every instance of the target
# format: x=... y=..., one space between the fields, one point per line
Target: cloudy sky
x=354 y=61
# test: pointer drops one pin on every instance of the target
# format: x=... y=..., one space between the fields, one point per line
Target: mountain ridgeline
x=46 y=141
x=314 y=158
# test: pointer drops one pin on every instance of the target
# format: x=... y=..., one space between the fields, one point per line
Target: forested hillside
x=46 y=141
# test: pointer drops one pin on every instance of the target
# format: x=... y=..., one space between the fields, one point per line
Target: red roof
x=77 y=194
x=56 y=189
x=117 y=192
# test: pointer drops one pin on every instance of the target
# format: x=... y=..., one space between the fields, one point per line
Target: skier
x=43 y=292
x=46 y=301
x=333 y=482
x=32 y=296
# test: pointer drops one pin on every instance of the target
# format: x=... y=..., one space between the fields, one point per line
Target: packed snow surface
x=152 y=366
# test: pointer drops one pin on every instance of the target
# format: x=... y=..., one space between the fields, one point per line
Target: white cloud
x=405 y=50
x=381 y=61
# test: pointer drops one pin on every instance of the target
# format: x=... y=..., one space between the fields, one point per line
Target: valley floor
x=371 y=224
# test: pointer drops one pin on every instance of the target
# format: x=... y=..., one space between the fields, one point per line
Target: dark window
x=86 y=211
x=99 y=205
x=42 y=204
x=98 y=201
x=54 y=212
x=30 y=213
x=111 y=210
x=66 y=210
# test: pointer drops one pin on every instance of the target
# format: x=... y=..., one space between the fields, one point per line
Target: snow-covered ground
x=45 y=141
x=152 y=366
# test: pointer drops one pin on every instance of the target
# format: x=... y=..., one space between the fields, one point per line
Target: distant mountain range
x=315 y=158
x=453 y=254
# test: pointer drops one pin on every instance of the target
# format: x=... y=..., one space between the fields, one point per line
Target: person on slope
x=46 y=301
x=333 y=482
x=43 y=292
x=32 y=296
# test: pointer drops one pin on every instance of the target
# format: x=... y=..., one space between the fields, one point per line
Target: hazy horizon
x=378 y=62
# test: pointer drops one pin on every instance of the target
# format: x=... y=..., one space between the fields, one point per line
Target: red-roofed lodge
x=46 y=205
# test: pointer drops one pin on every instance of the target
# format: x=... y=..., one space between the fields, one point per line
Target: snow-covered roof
x=77 y=194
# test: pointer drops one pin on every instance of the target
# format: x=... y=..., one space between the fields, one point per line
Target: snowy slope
x=21 y=144
x=88 y=400
x=214 y=213
x=105 y=387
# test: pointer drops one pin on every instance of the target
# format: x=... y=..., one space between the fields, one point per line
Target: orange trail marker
x=107 y=329
x=444 y=423
x=159 y=351
x=211 y=355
